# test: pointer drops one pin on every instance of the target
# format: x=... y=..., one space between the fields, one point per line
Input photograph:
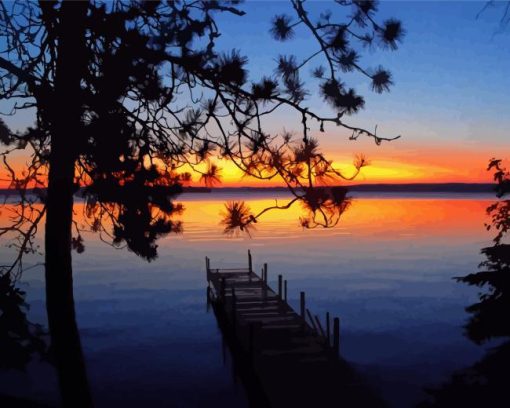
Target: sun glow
x=385 y=166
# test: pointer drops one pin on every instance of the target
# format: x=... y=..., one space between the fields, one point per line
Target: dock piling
x=222 y=289
x=336 y=336
x=280 y=287
x=250 y=265
x=328 y=329
x=251 y=340
x=234 y=308
x=302 y=305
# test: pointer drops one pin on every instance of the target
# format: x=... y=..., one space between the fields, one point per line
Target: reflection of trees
x=306 y=172
x=487 y=320
x=134 y=208
x=320 y=207
x=488 y=315
x=485 y=384
x=20 y=339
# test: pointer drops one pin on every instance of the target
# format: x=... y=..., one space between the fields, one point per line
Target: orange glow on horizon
x=366 y=217
x=386 y=166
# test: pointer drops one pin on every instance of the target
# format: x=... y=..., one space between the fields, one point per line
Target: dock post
x=328 y=329
x=207 y=268
x=233 y=309
x=222 y=289
x=250 y=265
x=285 y=290
x=265 y=273
x=251 y=340
x=302 y=305
x=280 y=289
x=336 y=336
x=208 y=295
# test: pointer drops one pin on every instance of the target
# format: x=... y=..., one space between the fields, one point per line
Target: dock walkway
x=284 y=358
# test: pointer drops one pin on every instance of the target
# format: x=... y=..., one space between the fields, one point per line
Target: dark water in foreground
x=386 y=270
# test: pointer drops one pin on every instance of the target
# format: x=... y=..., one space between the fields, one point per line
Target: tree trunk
x=65 y=114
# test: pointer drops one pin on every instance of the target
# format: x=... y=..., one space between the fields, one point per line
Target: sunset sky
x=450 y=101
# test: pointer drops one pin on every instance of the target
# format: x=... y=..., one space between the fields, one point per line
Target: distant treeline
x=13 y=192
x=427 y=187
x=396 y=188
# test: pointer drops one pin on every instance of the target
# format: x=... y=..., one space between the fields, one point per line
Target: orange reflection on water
x=391 y=217
x=365 y=217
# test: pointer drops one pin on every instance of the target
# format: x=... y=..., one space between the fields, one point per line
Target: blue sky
x=451 y=66
x=451 y=95
x=450 y=101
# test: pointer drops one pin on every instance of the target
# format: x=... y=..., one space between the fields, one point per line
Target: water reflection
x=386 y=270
x=485 y=383
x=20 y=339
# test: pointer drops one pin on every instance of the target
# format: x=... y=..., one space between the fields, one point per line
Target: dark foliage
x=281 y=27
x=20 y=340
x=487 y=319
x=485 y=383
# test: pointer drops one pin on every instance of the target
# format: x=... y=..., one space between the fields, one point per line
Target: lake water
x=386 y=270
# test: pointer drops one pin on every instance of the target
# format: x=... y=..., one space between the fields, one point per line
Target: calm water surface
x=386 y=270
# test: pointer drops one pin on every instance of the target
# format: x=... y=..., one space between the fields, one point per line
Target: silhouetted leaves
x=366 y=6
x=287 y=65
x=265 y=89
x=138 y=205
x=231 y=68
x=391 y=33
x=319 y=72
x=237 y=218
x=324 y=206
x=484 y=384
x=347 y=101
x=212 y=176
x=499 y=211
x=281 y=28
x=348 y=60
x=381 y=80
x=20 y=340
x=488 y=318
x=338 y=40
x=77 y=244
x=5 y=134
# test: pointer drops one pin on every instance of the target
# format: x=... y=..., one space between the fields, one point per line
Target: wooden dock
x=284 y=358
